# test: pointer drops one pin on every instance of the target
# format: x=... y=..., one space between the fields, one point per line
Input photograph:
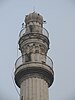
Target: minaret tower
x=34 y=69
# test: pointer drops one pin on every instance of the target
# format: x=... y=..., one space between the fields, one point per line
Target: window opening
x=27 y=57
x=31 y=28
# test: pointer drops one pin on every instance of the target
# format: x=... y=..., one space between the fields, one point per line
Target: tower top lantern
x=33 y=24
x=34 y=17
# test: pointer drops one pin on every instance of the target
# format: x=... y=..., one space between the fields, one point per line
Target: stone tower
x=34 y=69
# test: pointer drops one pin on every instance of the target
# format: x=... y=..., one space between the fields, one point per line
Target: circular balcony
x=39 y=30
x=34 y=58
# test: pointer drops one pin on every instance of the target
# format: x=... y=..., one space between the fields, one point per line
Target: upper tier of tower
x=34 y=45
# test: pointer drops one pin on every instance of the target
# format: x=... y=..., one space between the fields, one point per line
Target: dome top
x=34 y=17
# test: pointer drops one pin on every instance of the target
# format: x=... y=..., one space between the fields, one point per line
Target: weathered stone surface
x=34 y=89
x=33 y=73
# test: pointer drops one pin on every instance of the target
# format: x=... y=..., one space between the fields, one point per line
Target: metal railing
x=42 y=31
x=39 y=58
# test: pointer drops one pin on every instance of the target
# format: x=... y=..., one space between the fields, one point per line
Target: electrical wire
x=17 y=50
x=14 y=83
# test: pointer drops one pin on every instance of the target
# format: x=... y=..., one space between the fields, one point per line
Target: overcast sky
x=60 y=18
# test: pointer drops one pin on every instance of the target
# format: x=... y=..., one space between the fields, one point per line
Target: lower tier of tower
x=34 y=88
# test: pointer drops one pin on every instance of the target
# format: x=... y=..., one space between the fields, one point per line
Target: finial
x=33 y=8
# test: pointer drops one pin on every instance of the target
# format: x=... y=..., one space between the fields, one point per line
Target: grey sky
x=60 y=17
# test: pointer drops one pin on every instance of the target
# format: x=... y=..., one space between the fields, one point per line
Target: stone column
x=34 y=89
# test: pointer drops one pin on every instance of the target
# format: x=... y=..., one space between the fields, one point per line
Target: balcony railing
x=38 y=58
x=38 y=31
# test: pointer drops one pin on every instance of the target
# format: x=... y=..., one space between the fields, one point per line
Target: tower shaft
x=34 y=89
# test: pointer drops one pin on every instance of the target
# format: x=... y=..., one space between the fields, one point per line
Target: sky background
x=60 y=18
